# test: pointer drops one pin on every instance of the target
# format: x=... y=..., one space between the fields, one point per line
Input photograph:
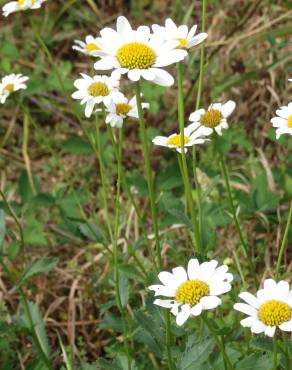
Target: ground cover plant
x=145 y=185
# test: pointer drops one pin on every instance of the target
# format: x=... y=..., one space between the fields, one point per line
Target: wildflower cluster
x=129 y=55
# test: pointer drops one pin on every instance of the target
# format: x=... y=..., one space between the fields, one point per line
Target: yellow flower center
x=290 y=121
x=191 y=291
x=9 y=88
x=274 y=313
x=136 y=55
x=123 y=108
x=98 y=89
x=211 y=118
x=182 y=43
x=176 y=140
x=91 y=47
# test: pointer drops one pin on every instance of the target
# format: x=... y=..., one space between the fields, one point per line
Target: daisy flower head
x=194 y=290
x=283 y=121
x=10 y=84
x=269 y=309
x=214 y=118
x=88 y=47
x=184 y=37
x=192 y=135
x=137 y=53
x=94 y=90
x=20 y=5
x=119 y=107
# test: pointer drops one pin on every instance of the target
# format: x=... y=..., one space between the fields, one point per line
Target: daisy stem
x=25 y=155
x=234 y=214
x=151 y=193
x=98 y=153
x=284 y=242
x=148 y=171
x=220 y=343
x=188 y=190
x=129 y=193
x=118 y=142
x=275 y=352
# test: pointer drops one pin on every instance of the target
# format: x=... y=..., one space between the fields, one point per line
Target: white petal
x=124 y=29
x=247 y=322
x=207 y=269
x=195 y=116
x=258 y=327
x=228 y=108
x=282 y=289
x=105 y=63
x=245 y=308
x=210 y=302
x=166 y=303
x=250 y=299
x=162 y=77
x=166 y=278
x=270 y=331
x=166 y=291
x=197 y=309
x=183 y=315
x=180 y=274
x=193 y=269
x=134 y=75
x=192 y=32
x=197 y=39
x=142 y=34
x=286 y=326
x=172 y=57
x=89 y=108
x=218 y=288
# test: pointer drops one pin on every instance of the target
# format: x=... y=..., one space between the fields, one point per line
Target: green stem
x=98 y=153
x=284 y=241
x=25 y=155
x=130 y=195
x=151 y=193
x=275 y=352
x=220 y=343
x=118 y=144
x=188 y=190
x=148 y=172
x=234 y=214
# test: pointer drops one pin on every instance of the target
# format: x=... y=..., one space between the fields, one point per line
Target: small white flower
x=284 y=120
x=89 y=47
x=194 y=290
x=119 y=107
x=94 y=90
x=20 y=5
x=290 y=79
x=186 y=38
x=137 y=53
x=214 y=118
x=192 y=135
x=11 y=83
x=269 y=309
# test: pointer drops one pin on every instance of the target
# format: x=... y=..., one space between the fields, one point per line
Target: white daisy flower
x=215 y=117
x=194 y=290
x=269 y=309
x=284 y=120
x=94 y=90
x=119 y=107
x=89 y=47
x=20 y=5
x=11 y=83
x=186 y=38
x=137 y=53
x=192 y=135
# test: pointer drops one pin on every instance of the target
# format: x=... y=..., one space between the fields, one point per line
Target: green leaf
x=13 y=249
x=38 y=324
x=124 y=289
x=195 y=356
x=76 y=145
x=255 y=361
x=34 y=232
x=2 y=229
x=39 y=266
x=9 y=50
